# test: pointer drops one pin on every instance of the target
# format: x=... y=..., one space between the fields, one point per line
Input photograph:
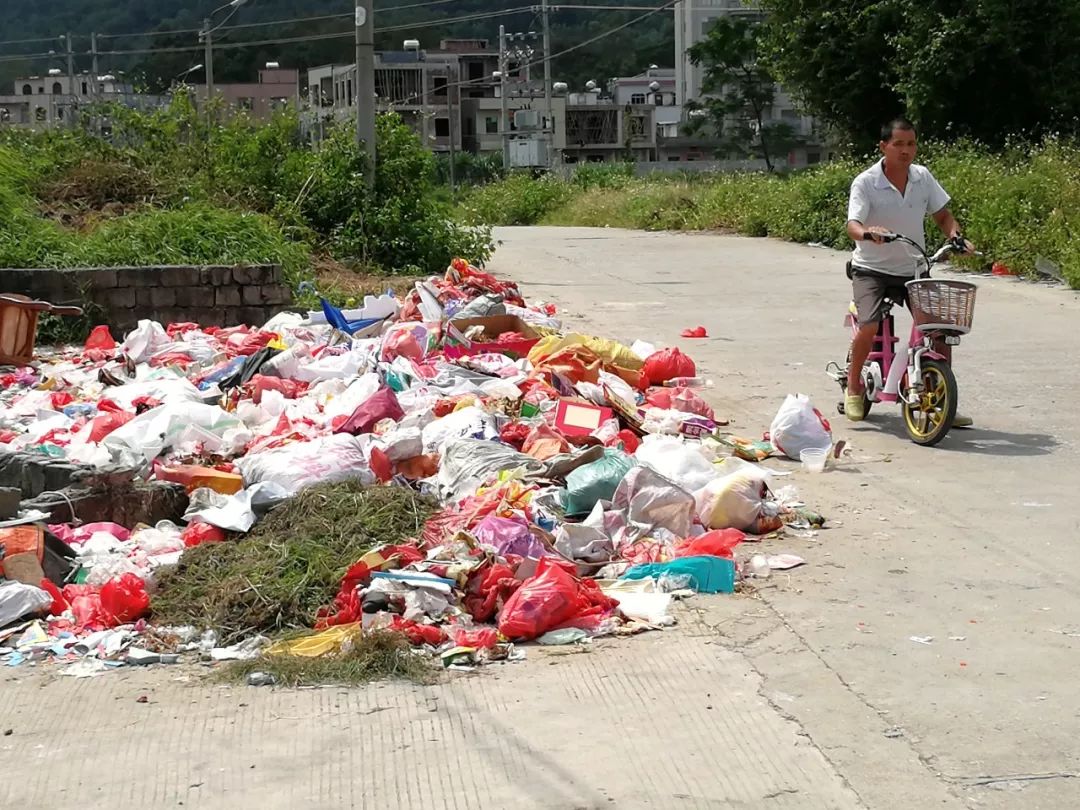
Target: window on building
x=85 y=89
x=442 y=127
x=476 y=71
x=790 y=116
x=59 y=113
x=41 y=89
x=438 y=85
x=57 y=89
x=812 y=158
x=27 y=90
x=246 y=103
x=351 y=96
x=491 y=124
x=279 y=103
x=674 y=158
x=637 y=98
x=39 y=113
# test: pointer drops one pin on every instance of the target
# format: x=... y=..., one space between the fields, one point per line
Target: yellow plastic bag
x=610 y=351
x=330 y=640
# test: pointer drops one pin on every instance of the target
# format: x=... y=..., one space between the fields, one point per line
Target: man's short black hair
x=900 y=123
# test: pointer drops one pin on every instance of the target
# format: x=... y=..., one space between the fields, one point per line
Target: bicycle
x=925 y=386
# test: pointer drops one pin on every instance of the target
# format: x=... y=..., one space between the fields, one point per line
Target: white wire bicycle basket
x=938 y=305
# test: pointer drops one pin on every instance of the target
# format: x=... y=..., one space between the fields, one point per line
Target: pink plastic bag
x=383 y=404
x=544 y=442
x=665 y=364
x=543 y=601
x=509 y=537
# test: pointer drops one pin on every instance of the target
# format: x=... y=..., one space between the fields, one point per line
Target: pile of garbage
x=556 y=486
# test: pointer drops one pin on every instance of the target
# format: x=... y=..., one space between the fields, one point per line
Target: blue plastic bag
x=707 y=574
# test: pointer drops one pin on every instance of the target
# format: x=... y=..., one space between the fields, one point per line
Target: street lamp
x=206 y=37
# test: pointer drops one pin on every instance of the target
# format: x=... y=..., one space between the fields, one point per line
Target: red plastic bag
x=102 y=426
x=543 y=601
x=249 y=344
x=260 y=384
x=515 y=434
x=60 y=399
x=174 y=329
x=481 y=638
x=717 y=543
x=486 y=588
x=417 y=633
x=665 y=364
x=544 y=442
x=59 y=603
x=346 y=606
x=629 y=439
x=124 y=599
x=198 y=533
x=100 y=339
x=694 y=332
x=381 y=465
x=680 y=399
x=383 y=404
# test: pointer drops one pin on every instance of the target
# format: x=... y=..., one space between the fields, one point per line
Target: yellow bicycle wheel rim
x=928 y=417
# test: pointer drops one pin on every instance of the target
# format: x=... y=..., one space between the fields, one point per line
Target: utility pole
x=71 y=81
x=365 y=84
x=209 y=61
x=450 y=87
x=95 y=95
x=550 y=116
x=94 y=68
x=504 y=122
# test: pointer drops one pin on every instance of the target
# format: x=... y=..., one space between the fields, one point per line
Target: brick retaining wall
x=209 y=296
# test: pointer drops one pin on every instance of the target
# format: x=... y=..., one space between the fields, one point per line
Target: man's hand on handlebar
x=878 y=234
x=961 y=245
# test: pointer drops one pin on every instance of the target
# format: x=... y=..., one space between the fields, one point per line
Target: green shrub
x=519 y=199
x=1017 y=205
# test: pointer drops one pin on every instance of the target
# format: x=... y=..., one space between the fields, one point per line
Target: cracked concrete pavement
x=968 y=543
x=808 y=693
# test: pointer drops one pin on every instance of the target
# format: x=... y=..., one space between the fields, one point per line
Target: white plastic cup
x=813 y=459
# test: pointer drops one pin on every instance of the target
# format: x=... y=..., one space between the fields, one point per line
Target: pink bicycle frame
x=883 y=352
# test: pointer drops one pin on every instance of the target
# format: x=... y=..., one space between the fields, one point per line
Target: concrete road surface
x=808 y=694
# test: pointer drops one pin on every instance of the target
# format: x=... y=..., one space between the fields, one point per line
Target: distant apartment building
x=275 y=88
x=693 y=19
x=55 y=100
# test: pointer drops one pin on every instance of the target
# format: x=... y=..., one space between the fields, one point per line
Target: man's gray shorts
x=869 y=291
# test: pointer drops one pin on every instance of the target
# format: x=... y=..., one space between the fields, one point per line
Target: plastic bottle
x=688 y=382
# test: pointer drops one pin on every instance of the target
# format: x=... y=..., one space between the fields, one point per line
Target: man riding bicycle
x=894 y=195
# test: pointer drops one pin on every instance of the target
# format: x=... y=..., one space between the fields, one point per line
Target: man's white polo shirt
x=876 y=201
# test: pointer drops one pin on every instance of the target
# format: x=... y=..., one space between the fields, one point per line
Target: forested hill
x=126 y=23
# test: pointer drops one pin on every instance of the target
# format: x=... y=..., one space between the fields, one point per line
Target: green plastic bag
x=595 y=482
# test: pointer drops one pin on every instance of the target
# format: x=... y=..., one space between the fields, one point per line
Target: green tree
x=738 y=91
x=987 y=69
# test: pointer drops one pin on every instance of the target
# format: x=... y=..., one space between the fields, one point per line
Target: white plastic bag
x=340 y=457
x=735 y=500
x=799 y=426
x=677 y=460
x=468 y=423
x=149 y=434
x=145 y=340
x=18 y=600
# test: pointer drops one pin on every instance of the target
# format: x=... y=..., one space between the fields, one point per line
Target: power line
x=416 y=5
x=563 y=52
x=28 y=41
x=484 y=15
x=311 y=37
